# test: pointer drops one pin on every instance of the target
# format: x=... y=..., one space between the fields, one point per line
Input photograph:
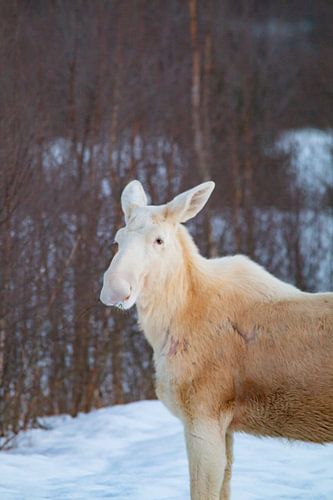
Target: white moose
x=235 y=349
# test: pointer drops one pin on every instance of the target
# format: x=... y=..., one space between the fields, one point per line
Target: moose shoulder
x=235 y=348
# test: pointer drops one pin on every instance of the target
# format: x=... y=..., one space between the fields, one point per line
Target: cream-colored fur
x=234 y=347
x=206 y=448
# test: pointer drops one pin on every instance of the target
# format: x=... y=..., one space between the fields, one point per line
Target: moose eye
x=115 y=246
x=159 y=241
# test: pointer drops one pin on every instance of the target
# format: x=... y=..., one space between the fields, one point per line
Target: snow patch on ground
x=137 y=452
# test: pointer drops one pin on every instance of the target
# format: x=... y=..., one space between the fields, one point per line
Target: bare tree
x=95 y=94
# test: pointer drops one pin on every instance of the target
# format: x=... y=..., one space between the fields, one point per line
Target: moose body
x=235 y=349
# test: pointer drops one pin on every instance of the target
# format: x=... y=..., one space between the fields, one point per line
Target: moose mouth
x=124 y=304
x=120 y=306
x=113 y=298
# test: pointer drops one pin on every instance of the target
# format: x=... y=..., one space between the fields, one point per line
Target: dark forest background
x=96 y=93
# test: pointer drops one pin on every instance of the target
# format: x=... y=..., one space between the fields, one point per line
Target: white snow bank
x=312 y=156
x=137 y=452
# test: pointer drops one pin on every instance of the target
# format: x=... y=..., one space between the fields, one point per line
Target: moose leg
x=205 y=441
x=225 y=491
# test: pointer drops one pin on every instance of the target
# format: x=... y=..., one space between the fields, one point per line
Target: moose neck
x=164 y=299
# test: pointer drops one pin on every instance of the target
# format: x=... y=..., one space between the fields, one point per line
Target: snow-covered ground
x=137 y=452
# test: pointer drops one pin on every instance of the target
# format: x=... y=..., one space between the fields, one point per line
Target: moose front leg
x=206 y=450
x=225 y=491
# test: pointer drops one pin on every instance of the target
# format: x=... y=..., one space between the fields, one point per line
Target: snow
x=312 y=156
x=137 y=452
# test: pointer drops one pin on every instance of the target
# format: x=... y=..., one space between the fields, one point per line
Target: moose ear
x=132 y=196
x=186 y=205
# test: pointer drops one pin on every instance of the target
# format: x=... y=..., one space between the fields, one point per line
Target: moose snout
x=115 y=291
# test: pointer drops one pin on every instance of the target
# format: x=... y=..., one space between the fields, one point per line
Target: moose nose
x=115 y=292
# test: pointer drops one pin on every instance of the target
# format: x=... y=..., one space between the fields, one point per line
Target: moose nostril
x=117 y=291
x=128 y=296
